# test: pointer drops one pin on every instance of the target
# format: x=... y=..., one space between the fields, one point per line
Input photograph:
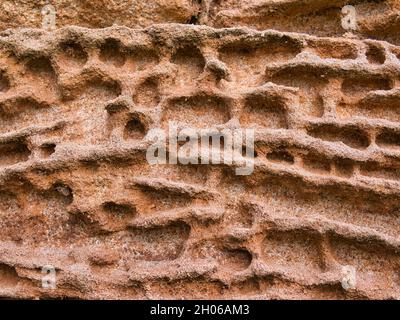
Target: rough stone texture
x=97 y=13
x=377 y=19
x=77 y=193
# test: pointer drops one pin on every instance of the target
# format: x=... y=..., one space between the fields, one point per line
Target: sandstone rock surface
x=97 y=13
x=77 y=193
x=376 y=19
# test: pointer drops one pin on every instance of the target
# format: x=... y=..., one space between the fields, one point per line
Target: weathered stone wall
x=97 y=13
x=77 y=193
x=376 y=19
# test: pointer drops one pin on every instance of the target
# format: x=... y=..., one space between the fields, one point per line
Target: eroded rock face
x=98 y=13
x=77 y=193
x=377 y=19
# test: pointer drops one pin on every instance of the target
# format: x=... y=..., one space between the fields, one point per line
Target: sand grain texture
x=77 y=193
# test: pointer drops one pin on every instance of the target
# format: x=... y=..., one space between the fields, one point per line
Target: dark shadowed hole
x=111 y=51
x=120 y=209
x=134 y=129
x=193 y=20
x=64 y=192
x=41 y=66
x=189 y=55
x=376 y=54
x=4 y=82
x=280 y=156
x=14 y=152
x=74 y=51
x=344 y=167
x=388 y=139
x=47 y=149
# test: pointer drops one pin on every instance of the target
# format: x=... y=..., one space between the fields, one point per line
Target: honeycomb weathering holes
x=197 y=111
x=376 y=54
x=47 y=149
x=112 y=51
x=359 y=85
x=134 y=128
x=353 y=137
x=75 y=178
x=118 y=208
x=72 y=54
x=388 y=139
x=13 y=152
x=280 y=156
x=41 y=66
x=147 y=94
x=4 y=82
x=191 y=63
x=264 y=111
